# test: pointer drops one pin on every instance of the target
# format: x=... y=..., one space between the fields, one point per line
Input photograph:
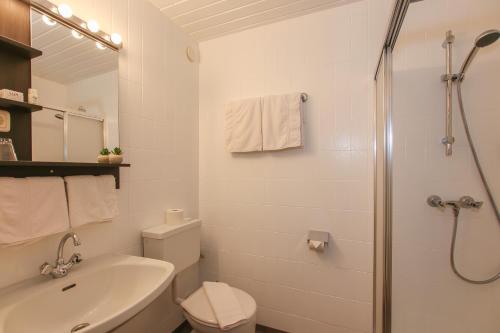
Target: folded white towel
x=243 y=126
x=225 y=305
x=91 y=199
x=197 y=305
x=282 y=121
x=31 y=208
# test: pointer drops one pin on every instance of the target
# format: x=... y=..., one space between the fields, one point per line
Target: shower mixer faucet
x=464 y=202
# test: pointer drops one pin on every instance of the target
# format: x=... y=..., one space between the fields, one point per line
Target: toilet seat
x=200 y=310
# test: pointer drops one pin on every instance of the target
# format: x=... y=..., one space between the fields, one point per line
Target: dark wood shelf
x=18 y=48
x=11 y=105
x=21 y=169
x=66 y=164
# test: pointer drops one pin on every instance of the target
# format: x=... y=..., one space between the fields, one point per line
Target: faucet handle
x=46 y=269
x=469 y=202
x=435 y=201
x=76 y=258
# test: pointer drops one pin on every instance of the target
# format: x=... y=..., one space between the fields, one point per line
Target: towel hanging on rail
x=91 y=199
x=282 y=121
x=31 y=208
x=265 y=123
x=243 y=127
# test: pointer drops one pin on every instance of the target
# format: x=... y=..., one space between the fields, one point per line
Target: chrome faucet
x=62 y=268
x=463 y=202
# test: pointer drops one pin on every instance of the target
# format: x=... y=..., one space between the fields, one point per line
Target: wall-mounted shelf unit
x=20 y=169
x=15 y=71
x=18 y=48
x=10 y=105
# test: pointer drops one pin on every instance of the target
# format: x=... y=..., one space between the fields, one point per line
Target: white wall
x=257 y=208
x=50 y=92
x=427 y=296
x=158 y=128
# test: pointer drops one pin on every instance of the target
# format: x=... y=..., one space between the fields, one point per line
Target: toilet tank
x=177 y=244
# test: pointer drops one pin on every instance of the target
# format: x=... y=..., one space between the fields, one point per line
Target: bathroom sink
x=96 y=296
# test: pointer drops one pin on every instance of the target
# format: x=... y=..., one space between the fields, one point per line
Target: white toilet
x=180 y=245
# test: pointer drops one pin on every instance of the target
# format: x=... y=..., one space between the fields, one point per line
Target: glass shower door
x=426 y=294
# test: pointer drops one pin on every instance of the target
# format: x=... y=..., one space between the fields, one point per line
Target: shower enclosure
x=437 y=232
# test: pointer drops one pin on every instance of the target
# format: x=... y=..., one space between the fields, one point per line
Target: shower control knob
x=469 y=202
x=435 y=201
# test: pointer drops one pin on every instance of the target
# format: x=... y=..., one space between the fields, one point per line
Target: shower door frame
x=383 y=157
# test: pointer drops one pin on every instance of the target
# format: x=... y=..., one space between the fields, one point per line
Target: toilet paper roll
x=174 y=216
x=316 y=245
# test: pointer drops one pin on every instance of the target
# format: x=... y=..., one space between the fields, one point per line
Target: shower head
x=485 y=39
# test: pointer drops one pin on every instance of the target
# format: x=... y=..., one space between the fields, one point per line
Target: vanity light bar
x=45 y=7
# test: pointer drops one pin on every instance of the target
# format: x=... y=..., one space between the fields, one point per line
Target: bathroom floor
x=186 y=328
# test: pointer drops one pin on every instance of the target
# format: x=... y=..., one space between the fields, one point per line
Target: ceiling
x=206 y=19
x=66 y=59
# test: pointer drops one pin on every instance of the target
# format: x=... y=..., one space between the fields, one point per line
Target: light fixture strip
x=73 y=23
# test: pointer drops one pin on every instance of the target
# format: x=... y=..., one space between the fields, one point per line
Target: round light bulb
x=116 y=38
x=48 y=21
x=65 y=10
x=93 y=26
x=76 y=34
x=100 y=46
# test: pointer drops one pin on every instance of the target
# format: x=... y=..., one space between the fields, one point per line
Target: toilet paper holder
x=319 y=236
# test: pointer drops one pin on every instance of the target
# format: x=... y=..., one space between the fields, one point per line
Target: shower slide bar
x=484 y=39
x=449 y=77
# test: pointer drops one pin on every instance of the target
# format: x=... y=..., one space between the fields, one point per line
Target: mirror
x=76 y=80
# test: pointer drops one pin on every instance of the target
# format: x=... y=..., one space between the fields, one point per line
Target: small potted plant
x=116 y=156
x=103 y=156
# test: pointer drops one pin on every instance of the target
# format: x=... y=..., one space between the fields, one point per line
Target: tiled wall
x=158 y=129
x=427 y=296
x=258 y=207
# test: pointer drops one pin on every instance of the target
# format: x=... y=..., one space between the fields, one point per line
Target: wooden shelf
x=21 y=169
x=66 y=164
x=11 y=105
x=18 y=48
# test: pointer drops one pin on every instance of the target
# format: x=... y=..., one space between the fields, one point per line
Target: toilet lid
x=199 y=308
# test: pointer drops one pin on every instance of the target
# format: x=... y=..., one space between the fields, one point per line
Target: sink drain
x=79 y=327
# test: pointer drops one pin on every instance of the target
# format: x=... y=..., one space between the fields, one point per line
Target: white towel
x=243 y=126
x=225 y=305
x=282 y=121
x=31 y=208
x=91 y=199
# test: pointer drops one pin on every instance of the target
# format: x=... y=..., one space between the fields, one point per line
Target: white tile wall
x=158 y=131
x=427 y=296
x=257 y=208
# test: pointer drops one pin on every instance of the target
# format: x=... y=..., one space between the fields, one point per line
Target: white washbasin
x=107 y=291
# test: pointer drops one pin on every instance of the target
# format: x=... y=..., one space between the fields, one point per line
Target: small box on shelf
x=12 y=95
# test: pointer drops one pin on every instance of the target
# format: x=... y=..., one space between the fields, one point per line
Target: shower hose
x=456 y=210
